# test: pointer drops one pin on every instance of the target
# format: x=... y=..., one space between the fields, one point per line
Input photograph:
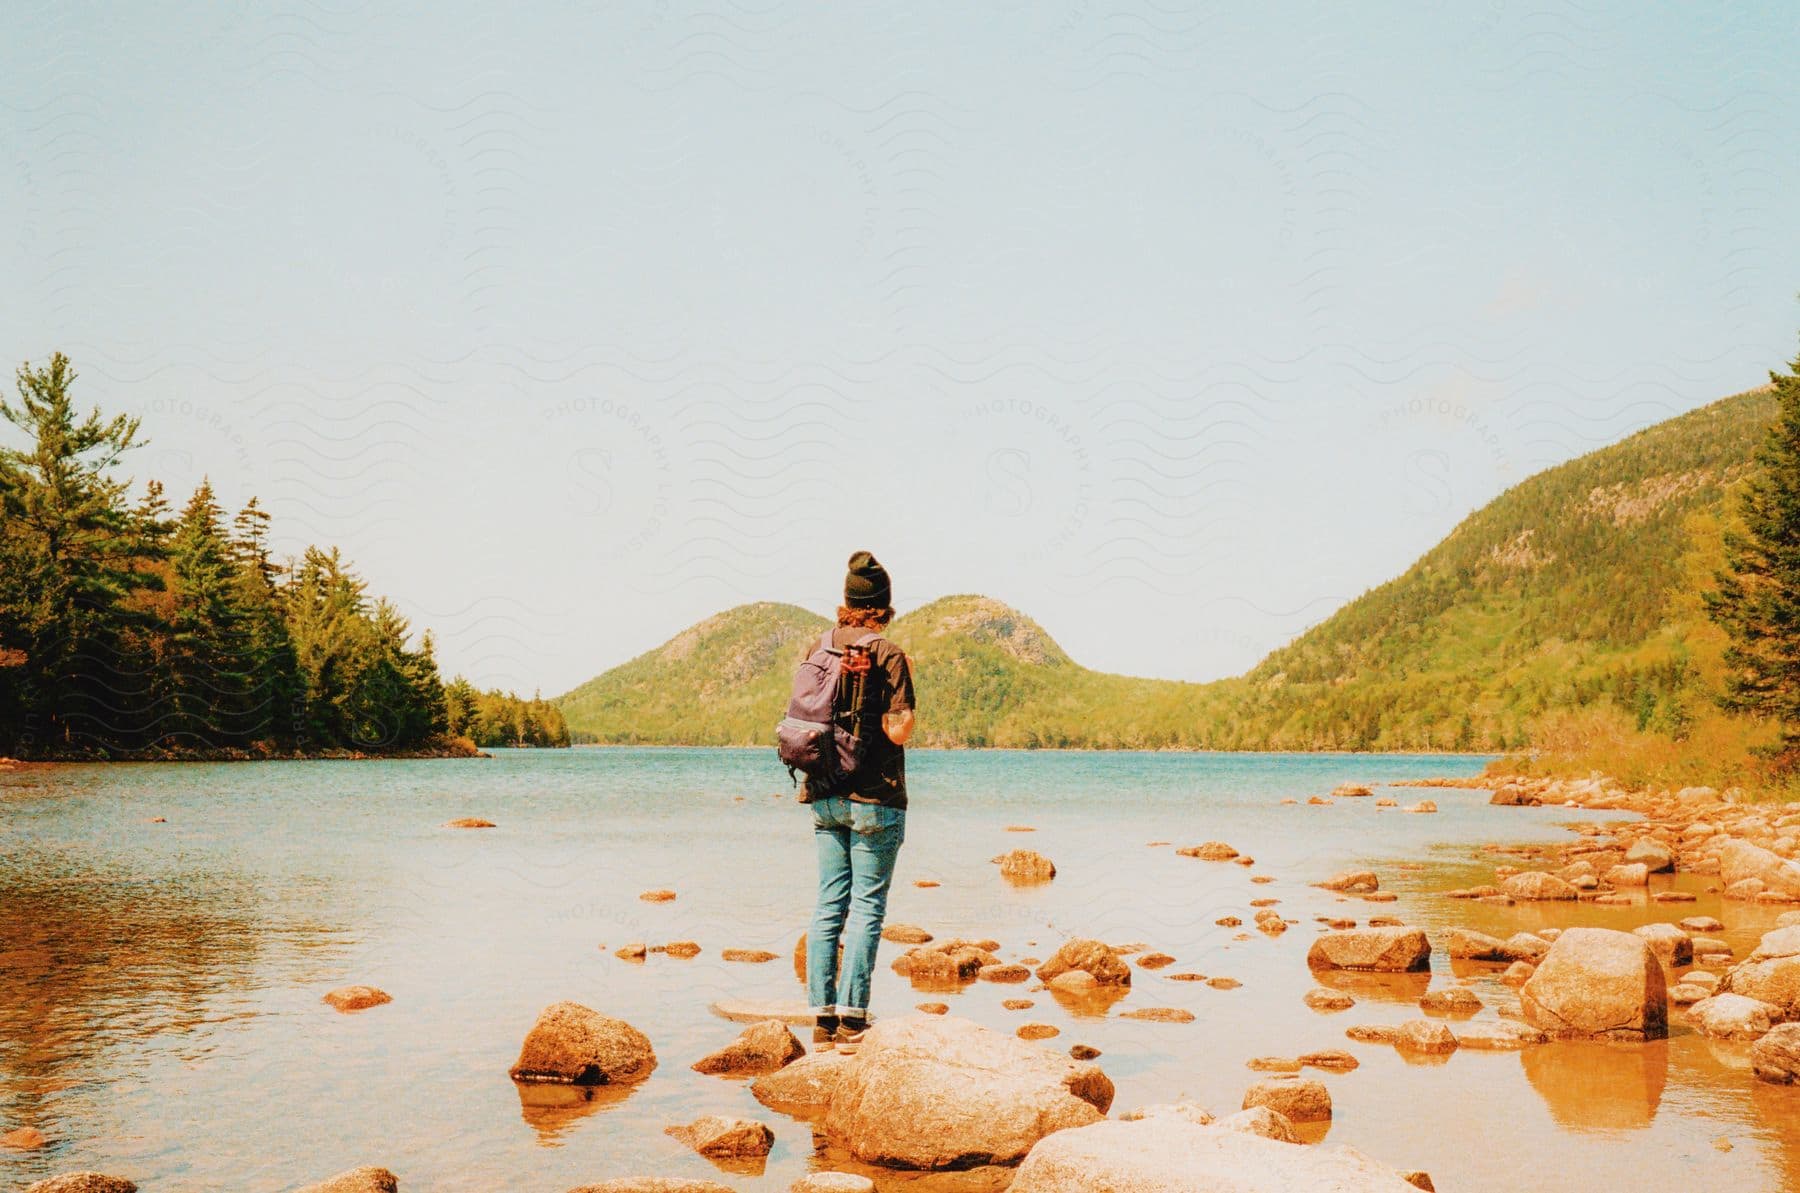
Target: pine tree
x=1758 y=598
x=76 y=547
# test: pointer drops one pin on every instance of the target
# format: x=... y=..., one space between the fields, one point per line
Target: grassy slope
x=1576 y=589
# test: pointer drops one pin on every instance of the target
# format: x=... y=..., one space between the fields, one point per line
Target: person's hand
x=898 y=725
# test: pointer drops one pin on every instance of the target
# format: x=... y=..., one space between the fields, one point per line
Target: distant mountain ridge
x=1578 y=585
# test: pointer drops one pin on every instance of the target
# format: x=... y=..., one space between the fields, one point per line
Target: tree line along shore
x=131 y=630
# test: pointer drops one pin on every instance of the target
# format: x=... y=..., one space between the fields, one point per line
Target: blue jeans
x=857 y=846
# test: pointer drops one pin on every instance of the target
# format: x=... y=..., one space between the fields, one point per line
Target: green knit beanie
x=866 y=586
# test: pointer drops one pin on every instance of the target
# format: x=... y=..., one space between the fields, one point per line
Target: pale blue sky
x=1175 y=327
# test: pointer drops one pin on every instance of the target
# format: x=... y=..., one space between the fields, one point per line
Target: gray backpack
x=812 y=739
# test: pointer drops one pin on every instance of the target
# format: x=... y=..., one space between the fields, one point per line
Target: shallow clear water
x=160 y=984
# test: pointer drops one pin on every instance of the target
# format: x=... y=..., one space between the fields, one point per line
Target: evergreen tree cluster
x=496 y=718
x=128 y=630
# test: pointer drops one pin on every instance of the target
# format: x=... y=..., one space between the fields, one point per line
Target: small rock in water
x=1335 y=1060
x=1452 y=1001
x=935 y=1008
x=1301 y=1100
x=1160 y=1015
x=760 y=1048
x=576 y=1045
x=1019 y=1004
x=748 y=956
x=832 y=1182
x=681 y=950
x=1210 y=851
x=1003 y=973
x=1423 y=805
x=1095 y=958
x=368 y=1179
x=1083 y=1051
x=1320 y=999
x=659 y=896
x=83 y=1182
x=1155 y=961
x=1426 y=1036
x=1229 y=921
x=905 y=934
x=357 y=998
x=465 y=822
x=1038 y=1031
x=1186 y=977
x=1272 y=1064
x=1775 y=1058
x=1023 y=866
x=1223 y=983
x=632 y=952
x=724 y=1138
x=926 y=883
x=24 y=1139
x=1020 y=828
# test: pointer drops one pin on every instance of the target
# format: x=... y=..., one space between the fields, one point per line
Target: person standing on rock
x=859 y=823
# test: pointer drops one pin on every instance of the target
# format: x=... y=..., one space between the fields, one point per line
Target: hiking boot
x=850 y=1035
x=825 y=1030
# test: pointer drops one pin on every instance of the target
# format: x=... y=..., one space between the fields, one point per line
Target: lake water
x=160 y=983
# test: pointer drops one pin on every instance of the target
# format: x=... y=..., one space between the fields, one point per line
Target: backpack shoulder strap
x=825 y=642
x=867 y=638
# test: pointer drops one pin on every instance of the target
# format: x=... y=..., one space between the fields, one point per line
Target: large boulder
x=1097 y=959
x=1166 y=1154
x=576 y=1045
x=760 y=1048
x=1598 y=983
x=83 y=1182
x=1771 y=973
x=940 y=1092
x=1776 y=1057
x=1382 y=950
x=1742 y=862
x=1731 y=1017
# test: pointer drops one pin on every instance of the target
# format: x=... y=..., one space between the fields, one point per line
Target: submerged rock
x=1164 y=1154
x=576 y=1045
x=470 y=822
x=1595 y=982
x=24 y=1139
x=1350 y=881
x=1427 y=1036
x=832 y=1182
x=944 y=1093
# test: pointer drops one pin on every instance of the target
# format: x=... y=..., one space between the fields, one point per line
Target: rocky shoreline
x=935 y=1093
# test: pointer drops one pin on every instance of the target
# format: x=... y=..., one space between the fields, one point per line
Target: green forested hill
x=1578 y=587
